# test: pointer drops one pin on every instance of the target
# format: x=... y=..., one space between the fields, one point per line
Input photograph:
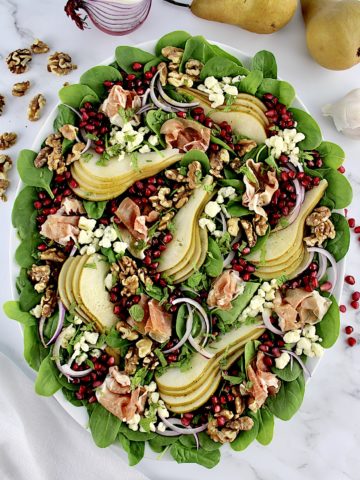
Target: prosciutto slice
x=60 y=228
x=117 y=397
x=262 y=382
x=158 y=325
x=129 y=213
x=72 y=205
x=120 y=98
x=186 y=134
x=224 y=290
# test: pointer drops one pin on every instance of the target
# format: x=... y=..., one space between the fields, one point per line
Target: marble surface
x=323 y=439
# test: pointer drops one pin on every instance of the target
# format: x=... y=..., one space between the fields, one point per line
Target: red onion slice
x=87 y=146
x=199 y=348
x=73 y=110
x=269 y=325
x=60 y=323
x=66 y=369
x=189 y=325
x=223 y=222
x=73 y=251
x=145 y=98
x=311 y=257
x=322 y=267
x=325 y=253
x=144 y=109
x=228 y=259
x=172 y=424
x=172 y=102
x=298 y=358
x=41 y=330
x=157 y=102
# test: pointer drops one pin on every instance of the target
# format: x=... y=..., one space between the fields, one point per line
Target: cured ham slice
x=140 y=326
x=120 y=98
x=262 y=382
x=224 y=290
x=72 y=205
x=158 y=325
x=296 y=296
x=287 y=317
x=314 y=308
x=186 y=134
x=60 y=228
x=129 y=213
x=116 y=396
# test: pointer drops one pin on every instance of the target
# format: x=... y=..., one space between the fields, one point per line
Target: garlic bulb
x=346 y=114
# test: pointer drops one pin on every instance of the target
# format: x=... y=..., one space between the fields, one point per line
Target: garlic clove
x=346 y=114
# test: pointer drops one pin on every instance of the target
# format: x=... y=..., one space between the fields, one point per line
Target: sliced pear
x=62 y=282
x=94 y=197
x=191 y=259
x=242 y=123
x=184 y=263
x=281 y=244
x=287 y=271
x=301 y=267
x=203 y=252
x=267 y=267
x=248 y=107
x=173 y=380
x=184 y=222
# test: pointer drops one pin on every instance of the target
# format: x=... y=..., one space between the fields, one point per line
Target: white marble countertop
x=323 y=439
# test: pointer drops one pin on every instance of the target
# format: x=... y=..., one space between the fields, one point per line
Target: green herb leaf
x=136 y=312
x=214 y=259
x=266 y=426
x=265 y=62
x=94 y=209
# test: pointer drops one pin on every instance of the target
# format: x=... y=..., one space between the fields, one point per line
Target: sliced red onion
x=66 y=369
x=145 y=98
x=199 y=348
x=87 y=146
x=172 y=102
x=73 y=110
x=157 y=102
x=228 y=259
x=307 y=263
x=184 y=288
x=60 y=323
x=322 y=267
x=225 y=212
x=73 y=250
x=325 y=253
x=298 y=358
x=223 y=221
x=41 y=330
x=189 y=325
x=172 y=424
x=145 y=108
x=198 y=307
x=269 y=325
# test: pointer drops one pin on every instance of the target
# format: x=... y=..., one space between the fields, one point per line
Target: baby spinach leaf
x=94 y=209
x=12 y=310
x=65 y=116
x=266 y=63
x=28 y=297
x=329 y=327
x=32 y=176
x=91 y=99
x=24 y=254
x=96 y=76
x=339 y=189
x=218 y=51
x=182 y=454
x=159 y=443
x=307 y=125
x=214 y=259
x=228 y=317
x=180 y=324
x=34 y=352
x=47 y=383
x=288 y=400
x=126 y=56
x=339 y=246
x=154 y=120
x=70 y=397
x=236 y=209
x=331 y=154
x=153 y=63
x=114 y=340
x=23 y=209
x=220 y=67
x=104 y=426
x=135 y=450
x=266 y=426
x=197 y=48
x=207 y=444
x=283 y=90
x=244 y=438
x=251 y=83
x=233 y=182
x=196 y=155
x=178 y=39
x=220 y=142
x=261 y=242
x=73 y=95
x=250 y=351
x=135 y=436
x=289 y=373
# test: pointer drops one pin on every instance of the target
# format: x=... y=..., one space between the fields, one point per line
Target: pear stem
x=179 y=4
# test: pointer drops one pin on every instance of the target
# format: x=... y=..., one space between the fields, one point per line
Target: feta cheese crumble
x=217 y=90
x=285 y=143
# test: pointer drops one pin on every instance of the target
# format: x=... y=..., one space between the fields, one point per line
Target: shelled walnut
x=217 y=162
x=19 y=89
x=60 y=64
x=40 y=276
x=249 y=232
x=5 y=166
x=321 y=227
x=39 y=47
x=7 y=140
x=2 y=104
x=18 y=60
x=35 y=107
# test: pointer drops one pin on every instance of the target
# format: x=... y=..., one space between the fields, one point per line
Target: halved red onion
x=325 y=253
x=172 y=423
x=172 y=102
x=269 y=325
x=189 y=325
x=66 y=369
x=298 y=358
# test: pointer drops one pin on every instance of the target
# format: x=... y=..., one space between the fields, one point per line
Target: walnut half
x=59 y=63
x=39 y=47
x=7 y=140
x=35 y=107
x=19 y=89
x=249 y=232
x=5 y=166
x=2 y=104
x=17 y=61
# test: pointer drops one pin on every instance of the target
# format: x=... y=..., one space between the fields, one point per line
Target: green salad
x=179 y=233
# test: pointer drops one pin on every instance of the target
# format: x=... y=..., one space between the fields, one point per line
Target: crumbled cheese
x=99 y=232
x=85 y=236
x=216 y=99
x=161 y=427
x=120 y=247
x=227 y=192
x=81 y=358
x=292 y=336
x=91 y=337
x=230 y=89
x=77 y=320
x=86 y=224
x=109 y=281
x=67 y=334
x=105 y=242
x=36 y=311
x=153 y=140
x=210 y=82
x=144 y=149
x=151 y=387
x=110 y=233
x=212 y=209
x=128 y=137
x=282 y=361
x=154 y=397
x=218 y=234
x=285 y=143
x=207 y=223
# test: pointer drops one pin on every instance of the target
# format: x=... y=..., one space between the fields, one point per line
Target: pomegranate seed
x=108 y=84
x=349 y=330
x=357 y=229
x=87 y=106
x=341 y=169
x=79 y=396
x=356 y=296
x=342 y=308
x=162 y=283
x=230 y=397
x=197 y=110
x=111 y=361
x=276 y=352
x=221 y=421
x=131 y=77
x=149 y=75
x=208 y=122
x=355 y=305
x=117 y=309
x=350 y=279
x=42 y=247
x=351 y=341
x=222 y=399
x=326 y=286
x=246 y=277
x=136 y=67
x=263 y=348
x=268 y=361
x=37 y=205
x=92 y=399
x=73 y=183
x=216 y=408
x=99 y=149
x=181 y=114
x=167 y=238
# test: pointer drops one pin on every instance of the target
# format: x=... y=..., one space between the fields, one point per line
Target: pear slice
x=192 y=260
x=281 y=245
x=62 y=282
x=276 y=273
x=173 y=380
x=203 y=252
x=86 y=194
x=243 y=123
x=184 y=263
x=267 y=267
x=247 y=107
x=184 y=223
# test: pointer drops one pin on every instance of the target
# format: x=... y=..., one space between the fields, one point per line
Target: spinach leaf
x=12 y=310
x=154 y=120
x=28 y=297
x=114 y=340
x=32 y=176
x=94 y=209
x=178 y=39
x=220 y=67
x=180 y=324
x=182 y=454
x=73 y=95
x=331 y=154
x=104 y=426
x=220 y=142
x=283 y=90
x=159 y=443
x=236 y=209
x=244 y=438
x=214 y=259
x=228 y=317
x=288 y=400
x=307 y=125
x=135 y=450
x=153 y=63
x=339 y=190
x=250 y=351
x=266 y=426
x=96 y=76
x=289 y=373
x=91 y=99
x=65 y=116
x=34 y=352
x=197 y=48
x=266 y=63
x=218 y=51
x=339 y=246
x=251 y=83
x=23 y=210
x=196 y=155
x=261 y=242
x=126 y=56
x=233 y=182
x=26 y=251
x=329 y=327
x=47 y=383
x=70 y=397
x=207 y=444
x=136 y=436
